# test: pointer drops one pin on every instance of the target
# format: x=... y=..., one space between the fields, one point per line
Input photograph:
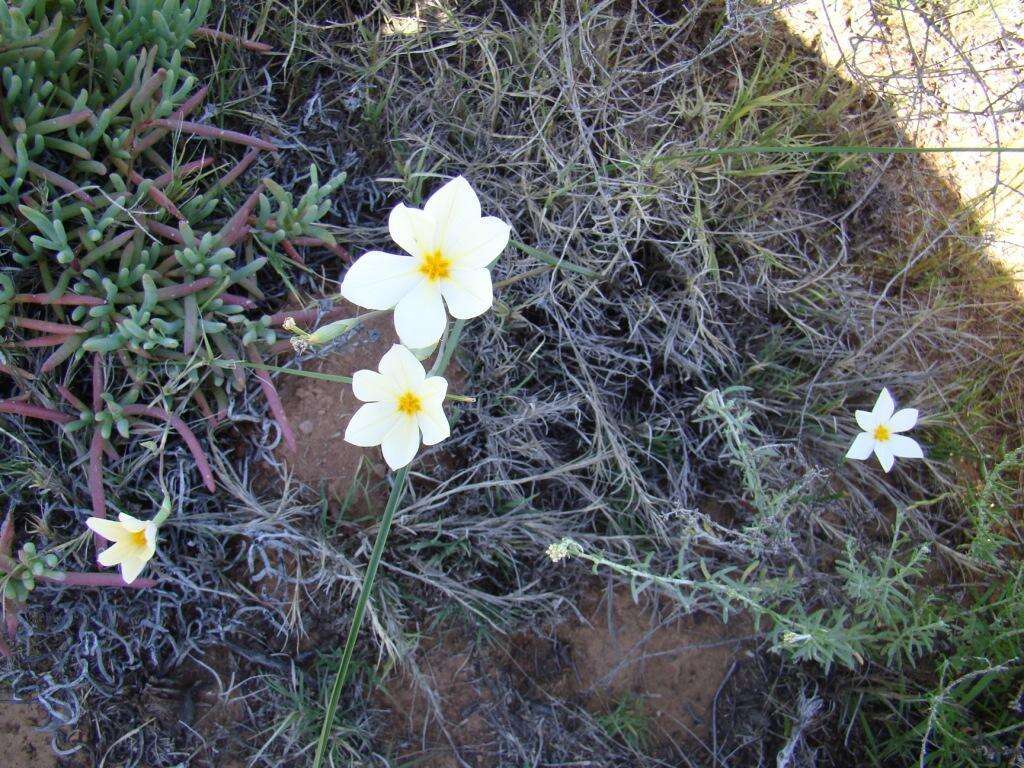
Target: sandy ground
x=22 y=745
x=954 y=82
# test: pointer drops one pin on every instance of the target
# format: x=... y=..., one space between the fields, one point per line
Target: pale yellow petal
x=132 y=567
x=379 y=280
x=452 y=206
x=468 y=293
x=414 y=230
x=108 y=529
x=370 y=424
x=420 y=318
x=401 y=443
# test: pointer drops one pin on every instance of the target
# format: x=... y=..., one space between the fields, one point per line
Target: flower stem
x=357 y=617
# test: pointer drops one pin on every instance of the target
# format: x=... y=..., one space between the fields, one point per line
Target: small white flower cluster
x=558 y=551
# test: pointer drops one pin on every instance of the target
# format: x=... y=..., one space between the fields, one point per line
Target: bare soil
x=668 y=670
x=319 y=410
x=22 y=744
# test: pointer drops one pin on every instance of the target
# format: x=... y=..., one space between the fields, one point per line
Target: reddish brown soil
x=674 y=668
x=319 y=411
x=620 y=651
x=21 y=744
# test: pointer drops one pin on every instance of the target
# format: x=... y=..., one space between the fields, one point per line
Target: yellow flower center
x=882 y=433
x=436 y=267
x=409 y=404
x=137 y=539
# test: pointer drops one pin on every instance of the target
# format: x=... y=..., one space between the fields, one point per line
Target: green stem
x=444 y=356
x=357 y=618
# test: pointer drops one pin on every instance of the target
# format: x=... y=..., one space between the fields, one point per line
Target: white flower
x=882 y=426
x=451 y=246
x=402 y=403
x=134 y=543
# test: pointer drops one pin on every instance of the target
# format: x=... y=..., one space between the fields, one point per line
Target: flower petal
x=452 y=206
x=117 y=553
x=477 y=244
x=884 y=454
x=379 y=280
x=372 y=387
x=902 y=420
x=132 y=567
x=401 y=369
x=414 y=230
x=433 y=389
x=865 y=420
x=132 y=524
x=401 y=443
x=905 y=447
x=370 y=424
x=151 y=534
x=861 y=447
x=434 y=425
x=468 y=293
x=419 y=317
x=884 y=406
x=108 y=529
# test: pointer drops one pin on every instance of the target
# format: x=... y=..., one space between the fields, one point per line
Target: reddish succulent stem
x=73 y=401
x=204 y=407
x=68 y=300
x=236 y=228
x=59 y=181
x=180 y=113
x=273 y=399
x=43 y=341
x=164 y=202
x=11 y=610
x=6 y=542
x=292 y=252
x=212 y=132
x=63 y=121
x=75 y=579
x=190 y=104
x=7 y=534
x=247 y=159
x=16 y=372
x=97 y=381
x=164 y=231
x=184 y=289
x=334 y=248
x=62 y=353
x=309 y=315
x=33 y=411
x=45 y=326
x=224 y=37
x=186 y=434
x=95 y=478
x=238 y=301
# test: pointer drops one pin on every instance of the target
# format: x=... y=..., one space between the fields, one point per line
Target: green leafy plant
x=128 y=252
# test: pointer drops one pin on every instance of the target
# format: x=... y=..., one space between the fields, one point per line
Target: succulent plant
x=122 y=249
